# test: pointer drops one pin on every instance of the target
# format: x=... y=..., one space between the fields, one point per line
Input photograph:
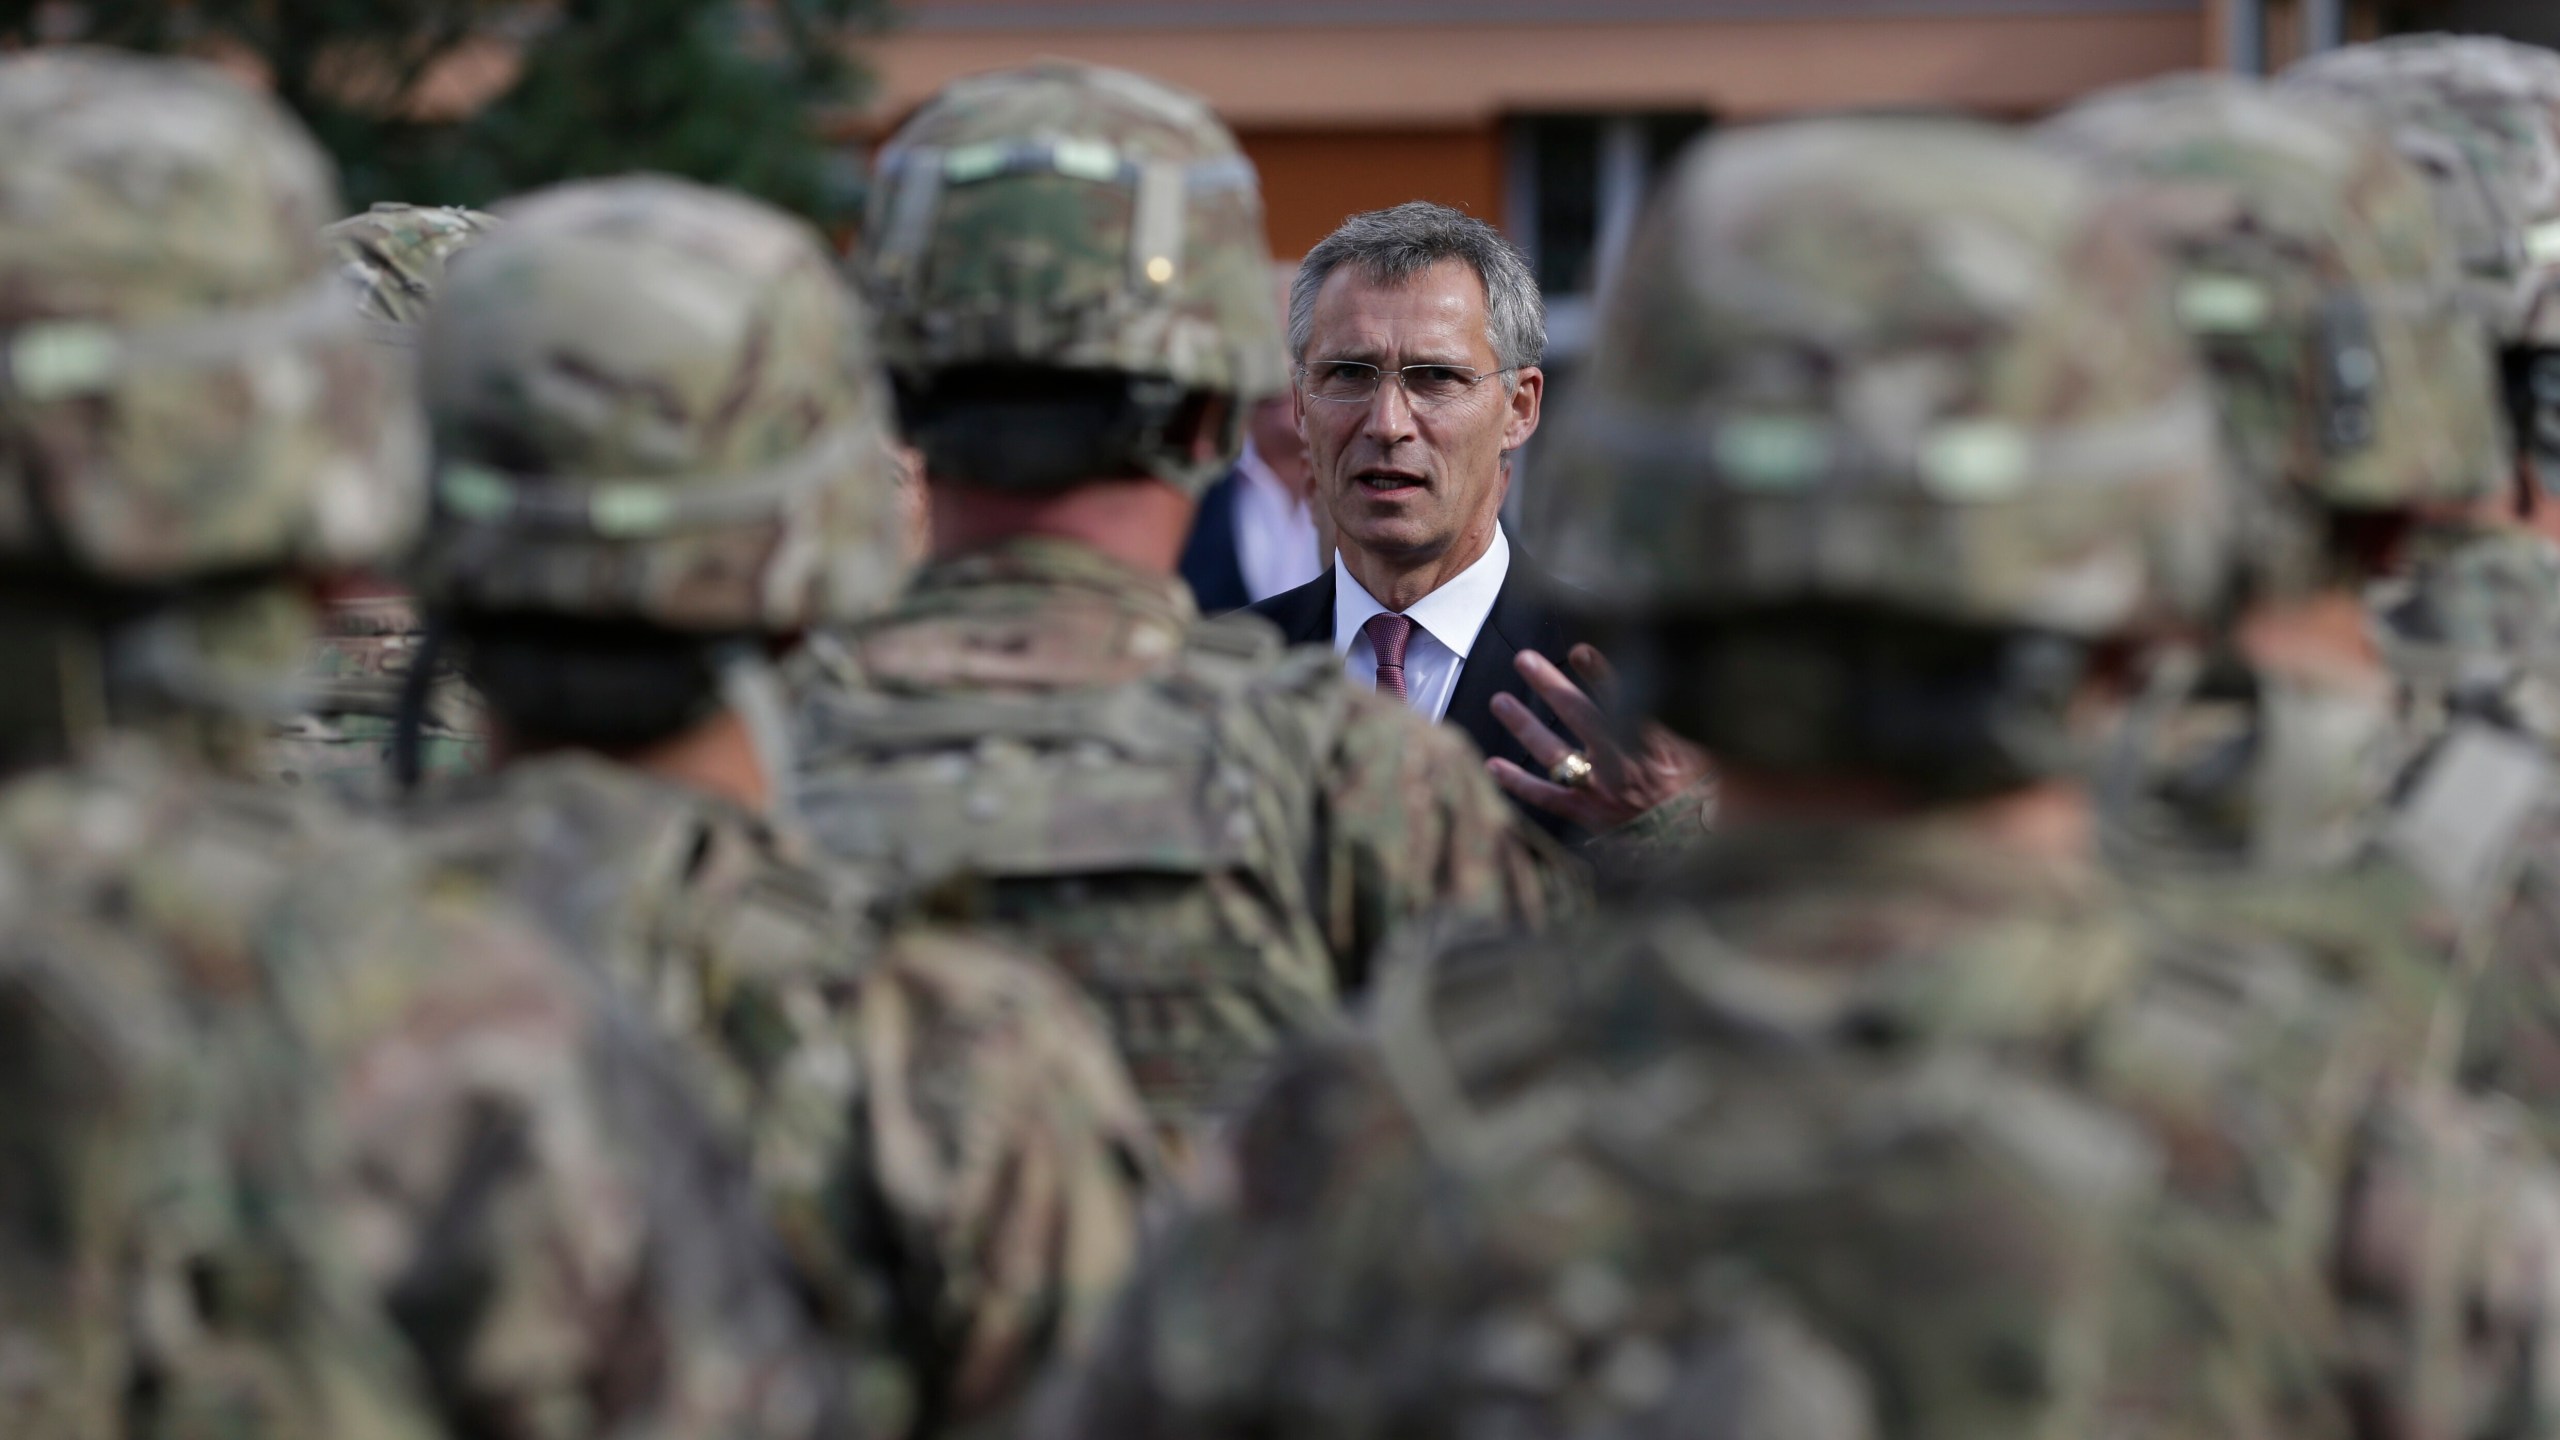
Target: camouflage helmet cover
x=1078 y=218
x=1906 y=365
x=394 y=255
x=2480 y=117
x=2315 y=276
x=655 y=401
x=187 y=388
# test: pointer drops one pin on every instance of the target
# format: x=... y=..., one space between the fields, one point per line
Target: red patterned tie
x=1388 y=634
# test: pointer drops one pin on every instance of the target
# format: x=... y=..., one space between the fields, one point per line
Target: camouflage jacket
x=358 y=663
x=1857 y=1136
x=2473 y=633
x=942 y=1135
x=302 y=1146
x=1213 y=834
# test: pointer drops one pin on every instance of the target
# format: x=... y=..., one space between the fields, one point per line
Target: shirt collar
x=1454 y=614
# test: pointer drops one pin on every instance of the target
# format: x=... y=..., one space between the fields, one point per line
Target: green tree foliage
x=733 y=92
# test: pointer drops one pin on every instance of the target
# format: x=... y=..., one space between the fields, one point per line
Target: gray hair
x=1393 y=246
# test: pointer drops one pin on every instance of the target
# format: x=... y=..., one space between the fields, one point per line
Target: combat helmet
x=2480 y=117
x=188 y=391
x=394 y=255
x=654 y=402
x=1910 y=374
x=2321 y=289
x=1067 y=230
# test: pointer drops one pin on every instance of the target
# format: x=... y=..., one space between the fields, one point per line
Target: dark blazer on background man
x=1518 y=622
x=1210 y=565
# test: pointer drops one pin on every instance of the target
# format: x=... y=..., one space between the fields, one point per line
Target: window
x=1575 y=187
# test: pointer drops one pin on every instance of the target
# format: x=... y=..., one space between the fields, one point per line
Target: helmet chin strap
x=751 y=686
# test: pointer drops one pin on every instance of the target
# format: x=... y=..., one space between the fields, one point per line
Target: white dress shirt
x=1445 y=624
x=1275 y=536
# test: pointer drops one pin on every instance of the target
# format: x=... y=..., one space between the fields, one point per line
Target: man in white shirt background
x=1414 y=336
x=1256 y=534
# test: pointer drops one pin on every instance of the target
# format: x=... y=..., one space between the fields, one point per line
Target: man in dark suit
x=1415 y=334
x=1255 y=535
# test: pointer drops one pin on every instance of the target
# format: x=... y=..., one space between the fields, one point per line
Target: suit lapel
x=1304 y=615
x=1488 y=673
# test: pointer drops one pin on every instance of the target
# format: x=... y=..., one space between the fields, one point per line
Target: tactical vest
x=690 y=909
x=1637 y=1103
x=162 y=1229
x=1154 y=832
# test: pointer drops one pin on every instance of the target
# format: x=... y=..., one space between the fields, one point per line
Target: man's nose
x=1389 y=417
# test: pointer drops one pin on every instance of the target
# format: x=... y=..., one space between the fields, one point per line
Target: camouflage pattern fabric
x=1079 y=219
x=944 y=1140
x=358 y=664
x=713 y=462
x=1212 y=836
x=2480 y=117
x=191 y=389
x=2314 y=276
x=1932 y=373
x=2472 y=624
x=1866 y=1136
x=309 y=1148
x=394 y=255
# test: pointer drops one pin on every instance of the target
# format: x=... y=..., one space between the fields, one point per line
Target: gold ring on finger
x=1573 y=771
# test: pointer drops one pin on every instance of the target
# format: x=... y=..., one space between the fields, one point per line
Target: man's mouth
x=1387 y=482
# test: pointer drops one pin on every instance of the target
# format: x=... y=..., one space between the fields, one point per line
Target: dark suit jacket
x=1518 y=622
x=1209 y=562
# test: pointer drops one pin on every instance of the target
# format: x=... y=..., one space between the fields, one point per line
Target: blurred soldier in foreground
x=296 y=1143
x=2277 y=799
x=394 y=257
x=662 y=449
x=1213 y=835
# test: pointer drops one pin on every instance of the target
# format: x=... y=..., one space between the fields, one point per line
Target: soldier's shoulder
x=669 y=865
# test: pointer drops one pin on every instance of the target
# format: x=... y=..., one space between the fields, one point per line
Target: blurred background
x=1551 y=117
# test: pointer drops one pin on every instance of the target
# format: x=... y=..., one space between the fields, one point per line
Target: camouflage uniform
x=2469 y=628
x=394 y=256
x=1212 y=835
x=2378 y=832
x=942 y=1135
x=300 y=1143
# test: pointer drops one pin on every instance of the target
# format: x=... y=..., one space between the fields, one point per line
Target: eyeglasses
x=1350 y=382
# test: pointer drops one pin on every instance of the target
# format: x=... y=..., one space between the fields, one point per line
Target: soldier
x=298 y=1144
x=662 y=451
x=2357 y=398
x=1044 y=735
x=2285 y=793
x=394 y=256
x=1890 y=1116
x=2397 y=803
x=2473 y=621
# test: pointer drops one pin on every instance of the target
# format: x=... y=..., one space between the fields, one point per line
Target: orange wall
x=1311 y=179
x=1313 y=77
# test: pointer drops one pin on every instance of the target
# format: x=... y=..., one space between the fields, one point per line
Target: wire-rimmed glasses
x=1355 y=382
